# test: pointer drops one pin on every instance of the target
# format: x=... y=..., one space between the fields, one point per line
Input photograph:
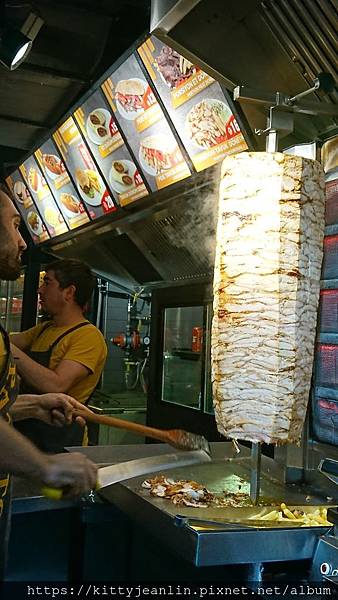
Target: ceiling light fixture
x=16 y=41
x=14 y=47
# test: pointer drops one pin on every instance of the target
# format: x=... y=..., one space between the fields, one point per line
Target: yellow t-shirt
x=3 y=354
x=85 y=345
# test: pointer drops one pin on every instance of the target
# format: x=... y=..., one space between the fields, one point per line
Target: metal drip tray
x=230 y=541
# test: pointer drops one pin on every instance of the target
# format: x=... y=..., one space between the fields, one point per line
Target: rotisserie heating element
x=266 y=289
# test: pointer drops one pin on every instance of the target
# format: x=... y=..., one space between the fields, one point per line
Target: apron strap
x=48 y=324
x=5 y=337
x=52 y=346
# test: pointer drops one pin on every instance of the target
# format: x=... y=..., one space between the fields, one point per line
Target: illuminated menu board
x=63 y=190
x=25 y=205
x=41 y=194
x=142 y=121
x=196 y=104
x=100 y=130
x=82 y=168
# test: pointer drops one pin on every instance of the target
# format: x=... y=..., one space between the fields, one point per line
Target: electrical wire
x=134 y=385
x=142 y=380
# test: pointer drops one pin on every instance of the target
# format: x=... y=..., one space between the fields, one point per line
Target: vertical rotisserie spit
x=266 y=289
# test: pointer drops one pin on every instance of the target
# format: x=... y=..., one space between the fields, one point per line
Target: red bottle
x=197 y=339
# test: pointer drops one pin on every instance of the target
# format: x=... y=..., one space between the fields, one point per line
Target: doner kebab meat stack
x=266 y=290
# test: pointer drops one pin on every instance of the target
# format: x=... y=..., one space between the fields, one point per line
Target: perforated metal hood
x=171 y=242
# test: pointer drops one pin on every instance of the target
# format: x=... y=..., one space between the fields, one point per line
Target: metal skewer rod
x=255 y=480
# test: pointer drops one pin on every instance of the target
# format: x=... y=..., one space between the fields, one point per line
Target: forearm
x=19 y=339
x=18 y=456
x=40 y=378
x=24 y=407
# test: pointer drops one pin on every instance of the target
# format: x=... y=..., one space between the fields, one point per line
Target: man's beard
x=10 y=265
x=10 y=268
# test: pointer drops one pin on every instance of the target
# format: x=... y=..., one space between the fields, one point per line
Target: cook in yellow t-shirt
x=85 y=345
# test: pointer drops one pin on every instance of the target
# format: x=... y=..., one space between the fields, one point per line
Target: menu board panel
x=100 y=130
x=81 y=166
x=143 y=122
x=41 y=194
x=196 y=105
x=63 y=190
x=26 y=207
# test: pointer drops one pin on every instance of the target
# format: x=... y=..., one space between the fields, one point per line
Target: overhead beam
x=10 y=155
x=19 y=135
x=18 y=120
x=108 y=10
x=50 y=76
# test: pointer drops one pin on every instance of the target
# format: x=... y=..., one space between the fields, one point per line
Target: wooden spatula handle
x=157 y=434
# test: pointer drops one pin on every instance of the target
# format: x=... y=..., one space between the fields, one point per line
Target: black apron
x=8 y=395
x=48 y=437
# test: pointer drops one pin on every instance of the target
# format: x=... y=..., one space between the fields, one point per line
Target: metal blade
x=255 y=480
x=133 y=468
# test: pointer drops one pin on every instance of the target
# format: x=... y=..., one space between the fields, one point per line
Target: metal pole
x=255 y=479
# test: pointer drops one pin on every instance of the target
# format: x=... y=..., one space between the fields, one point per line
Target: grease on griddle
x=191 y=493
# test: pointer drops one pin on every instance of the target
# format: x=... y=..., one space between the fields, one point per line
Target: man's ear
x=70 y=292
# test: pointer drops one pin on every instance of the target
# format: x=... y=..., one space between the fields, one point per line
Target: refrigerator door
x=182 y=355
x=11 y=299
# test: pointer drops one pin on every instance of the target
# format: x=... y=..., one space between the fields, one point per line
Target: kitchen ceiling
x=78 y=41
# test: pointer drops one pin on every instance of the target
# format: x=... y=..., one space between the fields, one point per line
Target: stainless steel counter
x=227 y=543
x=219 y=545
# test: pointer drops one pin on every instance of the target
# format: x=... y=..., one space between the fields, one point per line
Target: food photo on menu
x=25 y=205
x=53 y=165
x=63 y=190
x=22 y=194
x=134 y=104
x=77 y=157
x=97 y=126
x=71 y=205
x=196 y=103
x=43 y=198
x=159 y=153
x=101 y=132
x=173 y=67
x=206 y=123
x=129 y=95
x=88 y=182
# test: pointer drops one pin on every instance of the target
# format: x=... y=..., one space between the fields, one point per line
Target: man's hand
x=57 y=409
x=74 y=472
x=20 y=457
x=53 y=409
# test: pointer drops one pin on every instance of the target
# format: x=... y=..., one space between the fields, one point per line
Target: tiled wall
x=325 y=390
x=116 y=324
x=117 y=313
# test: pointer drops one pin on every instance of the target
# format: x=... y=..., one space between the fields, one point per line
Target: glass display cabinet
x=180 y=393
x=11 y=301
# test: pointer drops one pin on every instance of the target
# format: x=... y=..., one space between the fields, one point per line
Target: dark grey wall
x=116 y=324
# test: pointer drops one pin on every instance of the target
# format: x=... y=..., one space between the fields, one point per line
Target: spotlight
x=14 y=47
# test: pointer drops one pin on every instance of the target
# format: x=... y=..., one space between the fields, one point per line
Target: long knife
x=132 y=468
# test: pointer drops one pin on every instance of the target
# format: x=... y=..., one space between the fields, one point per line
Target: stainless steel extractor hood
x=167 y=243
x=268 y=45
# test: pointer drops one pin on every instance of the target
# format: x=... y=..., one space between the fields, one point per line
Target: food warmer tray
x=224 y=543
